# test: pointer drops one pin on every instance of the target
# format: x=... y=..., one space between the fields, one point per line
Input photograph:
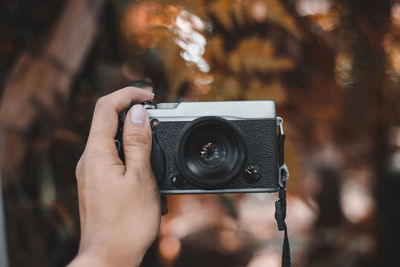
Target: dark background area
x=332 y=67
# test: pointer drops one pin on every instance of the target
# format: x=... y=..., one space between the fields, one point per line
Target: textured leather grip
x=157 y=159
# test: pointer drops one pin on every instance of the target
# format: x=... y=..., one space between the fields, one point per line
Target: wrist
x=85 y=259
x=105 y=257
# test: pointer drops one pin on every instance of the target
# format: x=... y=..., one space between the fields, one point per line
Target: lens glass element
x=212 y=154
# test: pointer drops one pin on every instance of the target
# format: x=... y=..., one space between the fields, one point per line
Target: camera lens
x=210 y=152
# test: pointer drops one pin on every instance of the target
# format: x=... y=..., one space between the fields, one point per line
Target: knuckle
x=137 y=139
x=79 y=166
x=102 y=101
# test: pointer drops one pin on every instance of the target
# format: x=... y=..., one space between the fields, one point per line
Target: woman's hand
x=119 y=205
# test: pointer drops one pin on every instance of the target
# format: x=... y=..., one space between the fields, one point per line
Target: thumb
x=137 y=139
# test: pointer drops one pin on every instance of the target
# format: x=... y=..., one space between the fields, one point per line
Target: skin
x=119 y=204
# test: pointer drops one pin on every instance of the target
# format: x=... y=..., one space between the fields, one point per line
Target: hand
x=119 y=205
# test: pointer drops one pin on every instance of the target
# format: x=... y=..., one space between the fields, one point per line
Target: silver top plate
x=230 y=110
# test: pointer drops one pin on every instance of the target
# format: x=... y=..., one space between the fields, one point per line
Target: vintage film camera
x=214 y=147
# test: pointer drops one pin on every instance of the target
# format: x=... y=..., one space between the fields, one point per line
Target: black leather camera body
x=213 y=147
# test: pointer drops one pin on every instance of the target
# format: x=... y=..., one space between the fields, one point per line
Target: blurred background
x=332 y=66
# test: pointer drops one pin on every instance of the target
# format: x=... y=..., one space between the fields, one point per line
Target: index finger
x=105 y=117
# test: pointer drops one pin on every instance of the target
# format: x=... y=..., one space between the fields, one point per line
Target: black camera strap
x=280 y=205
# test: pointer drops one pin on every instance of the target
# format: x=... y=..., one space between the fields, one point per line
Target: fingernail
x=138 y=115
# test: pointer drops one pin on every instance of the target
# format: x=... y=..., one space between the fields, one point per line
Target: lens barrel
x=210 y=152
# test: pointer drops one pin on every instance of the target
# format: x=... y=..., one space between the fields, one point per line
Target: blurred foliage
x=333 y=68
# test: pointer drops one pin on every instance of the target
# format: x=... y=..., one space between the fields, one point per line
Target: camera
x=212 y=147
